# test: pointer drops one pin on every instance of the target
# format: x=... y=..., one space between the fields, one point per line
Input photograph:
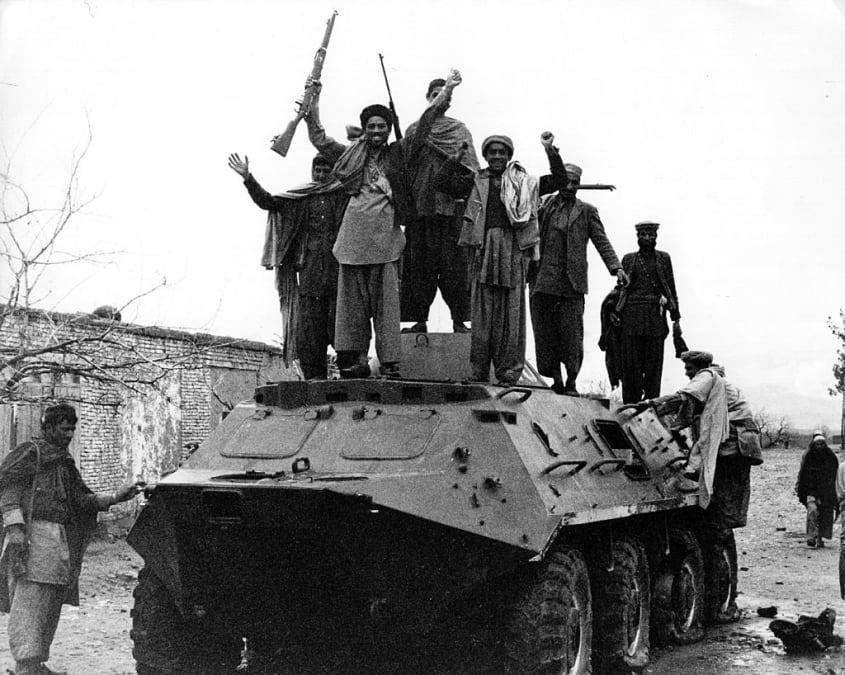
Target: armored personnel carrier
x=353 y=517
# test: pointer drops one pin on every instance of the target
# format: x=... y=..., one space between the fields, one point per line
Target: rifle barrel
x=596 y=186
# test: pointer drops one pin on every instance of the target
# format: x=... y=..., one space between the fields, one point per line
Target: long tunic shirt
x=62 y=516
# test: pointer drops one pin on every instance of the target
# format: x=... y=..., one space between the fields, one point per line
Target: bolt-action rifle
x=390 y=101
x=281 y=143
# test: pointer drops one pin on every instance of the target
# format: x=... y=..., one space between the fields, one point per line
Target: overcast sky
x=722 y=120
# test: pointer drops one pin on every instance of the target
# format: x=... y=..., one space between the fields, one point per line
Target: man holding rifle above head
x=370 y=240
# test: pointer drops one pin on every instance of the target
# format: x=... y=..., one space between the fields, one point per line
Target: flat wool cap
x=573 y=170
x=646 y=225
x=434 y=84
x=703 y=359
x=497 y=138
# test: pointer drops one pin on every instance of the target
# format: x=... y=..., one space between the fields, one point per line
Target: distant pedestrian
x=816 y=488
x=840 y=500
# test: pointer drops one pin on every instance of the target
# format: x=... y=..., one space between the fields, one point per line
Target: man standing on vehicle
x=558 y=288
x=301 y=231
x=370 y=241
x=642 y=310
x=432 y=256
x=48 y=516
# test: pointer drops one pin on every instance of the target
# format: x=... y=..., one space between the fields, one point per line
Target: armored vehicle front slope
x=350 y=512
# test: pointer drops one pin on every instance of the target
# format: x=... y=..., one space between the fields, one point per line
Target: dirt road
x=776 y=569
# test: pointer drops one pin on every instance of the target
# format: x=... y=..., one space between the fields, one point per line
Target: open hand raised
x=239 y=167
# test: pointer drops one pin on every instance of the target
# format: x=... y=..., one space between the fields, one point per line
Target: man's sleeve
x=557 y=179
x=674 y=306
x=18 y=468
x=601 y=242
x=454 y=180
x=82 y=497
x=840 y=485
x=262 y=198
x=325 y=145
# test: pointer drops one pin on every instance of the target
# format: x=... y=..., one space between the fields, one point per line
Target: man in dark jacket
x=642 y=309
x=432 y=257
x=560 y=283
x=816 y=488
x=48 y=517
x=374 y=173
x=303 y=229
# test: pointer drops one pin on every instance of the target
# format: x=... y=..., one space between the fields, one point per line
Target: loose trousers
x=315 y=332
x=33 y=618
x=819 y=519
x=558 y=323
x=434 y=260
x=367 y=292
x=498 y=332
x=642 y=367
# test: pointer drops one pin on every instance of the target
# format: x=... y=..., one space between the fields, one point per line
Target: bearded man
x=370 y=241
x=642 y=309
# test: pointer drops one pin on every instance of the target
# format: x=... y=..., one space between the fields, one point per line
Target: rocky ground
x=776 y=569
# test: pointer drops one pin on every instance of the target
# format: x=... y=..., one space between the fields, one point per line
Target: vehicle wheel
x=549 y=626
x=622 y=601
x=677 y=605
x=720 y=572
x=163 y=642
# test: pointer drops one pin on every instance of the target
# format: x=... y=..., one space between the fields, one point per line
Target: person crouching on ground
x=816 y=488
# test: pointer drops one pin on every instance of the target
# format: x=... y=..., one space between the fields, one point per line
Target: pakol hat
x=377 y=110
x=320 y=158
x=434 y=84
x=697 y=358
x=573 y=170
x=646 y=225
x=497 y=138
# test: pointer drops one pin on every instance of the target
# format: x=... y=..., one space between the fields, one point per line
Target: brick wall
x=141 y=431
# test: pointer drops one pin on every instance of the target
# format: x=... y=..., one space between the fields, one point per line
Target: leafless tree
x=774 y=429
x=34 y=342
x=838 y=389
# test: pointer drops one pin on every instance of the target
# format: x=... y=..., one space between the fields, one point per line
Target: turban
x=497 y=138
x=818 y=436
x=646 y=225
x=573 y=169
x=377 y=110
x=702 y=359
x=434 y=84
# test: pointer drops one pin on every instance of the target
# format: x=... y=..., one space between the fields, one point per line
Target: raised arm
x=556 y=180
x=325 y=144
x=436 y=108
x=453 y=178
x=260 y=196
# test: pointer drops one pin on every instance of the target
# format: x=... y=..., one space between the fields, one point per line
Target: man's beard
x=648 y=246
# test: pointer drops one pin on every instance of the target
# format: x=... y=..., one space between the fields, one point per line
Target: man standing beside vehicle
x=49 y=515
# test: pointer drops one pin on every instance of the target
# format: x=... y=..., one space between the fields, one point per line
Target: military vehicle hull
x=355 y=508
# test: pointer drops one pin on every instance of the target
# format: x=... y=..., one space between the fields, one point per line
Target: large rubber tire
x=163 y=642
x=720 y=574
x=621 y=604
x=548 y=626
x=677 y=605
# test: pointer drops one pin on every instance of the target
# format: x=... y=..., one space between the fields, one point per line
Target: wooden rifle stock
x=281 y=143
